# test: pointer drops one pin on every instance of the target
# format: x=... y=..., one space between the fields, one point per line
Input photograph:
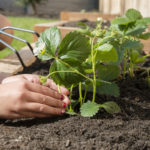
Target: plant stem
x=75 y=70
x=93 y=68
x=131 y=71
x=80 y=94
x=59 y=89
x=86 y=87
x=125 y=65
x=70 y=96
x=71 y=89
x=59 y=72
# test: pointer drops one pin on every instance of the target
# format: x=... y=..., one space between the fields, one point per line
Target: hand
x=35 y=79
x=22 y=98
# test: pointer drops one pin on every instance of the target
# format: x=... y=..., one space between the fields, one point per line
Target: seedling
x=131 y=29
x=92 y=59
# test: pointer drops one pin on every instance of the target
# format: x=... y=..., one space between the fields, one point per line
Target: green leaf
x=144 y=21
x=116 y=28
x=64 y=77
x=88 y=71
x=136 y=58
x=85 y=26
x=106 y=53
x=85 y=29
x=111 y=107
x=85 y=32
x=108 y=72
x=136 y=30
x=133 y=14
x=121 y=21
x=134 y=55
x=131 y=44
x=120 y=51
x=144 y=36
x=75 y=45
x=104 y=40
x=127 y=44
x=71 y=112
x=89 y=109
x=87 y=65
x=140 y=60
x=107 y=89
x=44 y=57
x=51 y=37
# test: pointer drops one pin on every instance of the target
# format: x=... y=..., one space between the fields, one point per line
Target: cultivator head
x=2 y=31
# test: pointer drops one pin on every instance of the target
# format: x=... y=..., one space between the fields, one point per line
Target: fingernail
x=63 y=111
x=65 y=105
x=62 y=97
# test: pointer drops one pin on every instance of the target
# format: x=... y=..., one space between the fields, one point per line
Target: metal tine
x=20 y=39
x=20 y=29
x=15 y=51
x=24 y=30
x=17 y=38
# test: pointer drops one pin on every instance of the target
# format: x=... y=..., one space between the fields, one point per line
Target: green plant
x=129 y=30
x=71 y=66
x=90 y=59
x=33 y=3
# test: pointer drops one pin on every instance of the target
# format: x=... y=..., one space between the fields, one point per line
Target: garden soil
x=128 y=130
x=91 y=24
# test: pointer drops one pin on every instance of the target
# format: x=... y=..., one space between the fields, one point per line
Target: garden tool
x=2 y=31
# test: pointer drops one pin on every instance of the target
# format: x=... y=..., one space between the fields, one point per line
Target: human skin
x=35 y=79
x=23 y=96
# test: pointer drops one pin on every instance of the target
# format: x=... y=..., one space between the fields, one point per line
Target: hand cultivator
x=2 y=31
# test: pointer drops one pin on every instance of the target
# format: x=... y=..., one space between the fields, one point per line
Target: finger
x=28 y=114
x=47 y=100
x=51 y=84
x=32 y=78
x=44 y=90
x=12 y=115
x=29 y=77
x=12 y=79
x=44 y=109
x=66 y=100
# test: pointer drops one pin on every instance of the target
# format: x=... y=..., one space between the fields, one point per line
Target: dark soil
x=91 y=24
x=129 y=130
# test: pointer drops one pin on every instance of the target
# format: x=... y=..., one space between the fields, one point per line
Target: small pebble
x=68 y=143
